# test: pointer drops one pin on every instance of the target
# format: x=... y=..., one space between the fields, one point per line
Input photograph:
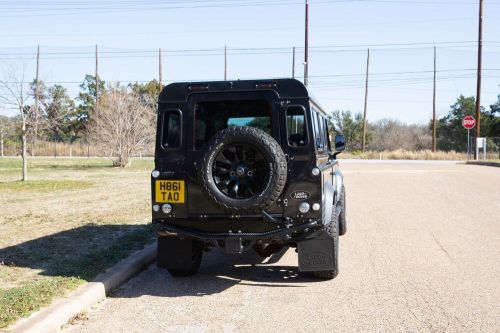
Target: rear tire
x=342 y=218
x=196 y=257
x=332 y=229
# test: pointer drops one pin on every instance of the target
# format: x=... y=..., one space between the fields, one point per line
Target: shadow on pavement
x=219 y=272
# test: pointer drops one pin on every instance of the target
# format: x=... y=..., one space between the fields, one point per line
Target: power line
x=83 y=8
x=260 y=28
x=267 y=50
x=319 y=83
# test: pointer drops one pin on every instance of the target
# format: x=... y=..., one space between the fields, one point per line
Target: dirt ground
x=422 y=254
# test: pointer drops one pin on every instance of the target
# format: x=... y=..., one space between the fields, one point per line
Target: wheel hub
x=240 y=171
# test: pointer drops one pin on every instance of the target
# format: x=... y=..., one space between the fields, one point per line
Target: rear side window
x=317 y=135
x=296 y=126
x=171 y=129
x=323 y=132
x=319 y=128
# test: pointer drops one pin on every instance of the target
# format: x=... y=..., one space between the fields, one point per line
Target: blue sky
x=260 y=35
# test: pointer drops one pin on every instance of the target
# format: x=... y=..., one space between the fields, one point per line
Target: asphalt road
x=422 y=254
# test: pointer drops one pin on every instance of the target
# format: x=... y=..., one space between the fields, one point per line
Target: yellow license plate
x=171 y=191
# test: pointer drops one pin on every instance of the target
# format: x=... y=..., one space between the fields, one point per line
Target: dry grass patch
x=402 y=154
x=44 y=185
x=76 y=218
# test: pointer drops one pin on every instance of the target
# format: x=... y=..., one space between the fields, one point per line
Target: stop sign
x=469 y=122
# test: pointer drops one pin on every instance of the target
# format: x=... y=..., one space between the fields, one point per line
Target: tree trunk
x=33 y=149
x=24 y=154
x=1 y=143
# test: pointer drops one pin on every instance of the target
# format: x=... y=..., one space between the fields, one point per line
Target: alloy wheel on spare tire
x=243 y=169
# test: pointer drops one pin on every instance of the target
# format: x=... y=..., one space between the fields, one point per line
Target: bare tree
x=14 y=92
x=390 y=134
x=121 y=126
x=4 y=129
x=37 y=122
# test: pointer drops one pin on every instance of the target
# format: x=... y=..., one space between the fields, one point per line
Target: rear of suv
x=246 y=165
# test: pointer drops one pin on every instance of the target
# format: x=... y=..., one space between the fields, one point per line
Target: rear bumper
x=302 y=230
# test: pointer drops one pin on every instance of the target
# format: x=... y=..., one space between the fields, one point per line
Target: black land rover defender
x=246 y=165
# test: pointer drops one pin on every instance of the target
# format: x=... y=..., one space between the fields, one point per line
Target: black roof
x=285 y=88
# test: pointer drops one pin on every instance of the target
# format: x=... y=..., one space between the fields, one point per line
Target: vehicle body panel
x=197 y=216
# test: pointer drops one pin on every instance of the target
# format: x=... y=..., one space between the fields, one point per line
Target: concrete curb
x=484 y=163
x=377 y=161
x=52 y=318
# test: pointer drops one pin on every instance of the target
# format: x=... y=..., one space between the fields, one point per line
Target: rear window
x=296 y=126
x=211 y=117
x=171 y=129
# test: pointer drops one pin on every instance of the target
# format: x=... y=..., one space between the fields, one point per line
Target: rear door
x=298 y=143
x=207 y=117
x=171 y=186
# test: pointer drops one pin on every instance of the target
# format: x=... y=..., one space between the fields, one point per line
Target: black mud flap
x=317 y=254
x=175 y=253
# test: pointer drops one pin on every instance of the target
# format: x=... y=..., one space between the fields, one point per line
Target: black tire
x=243 y=170
x=332 y=230
x=197 y=255
x=342 y=218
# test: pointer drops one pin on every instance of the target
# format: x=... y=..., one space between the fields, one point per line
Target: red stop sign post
x=468 y=123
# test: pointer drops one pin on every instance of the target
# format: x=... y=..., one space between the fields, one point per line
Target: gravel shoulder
x=421 y=255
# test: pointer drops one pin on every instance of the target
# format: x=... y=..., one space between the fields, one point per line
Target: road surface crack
x=441 y=247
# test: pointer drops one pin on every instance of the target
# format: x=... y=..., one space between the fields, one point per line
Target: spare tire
x=243 y=170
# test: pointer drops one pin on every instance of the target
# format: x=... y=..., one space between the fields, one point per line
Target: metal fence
x=485 y=148
x=58 y=149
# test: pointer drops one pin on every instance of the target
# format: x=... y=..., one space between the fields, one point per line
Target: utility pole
x=306 y=50
x=434 y=106
x=37 y=96
x=293 y=63
x=160 y=70
x=96 y=78
x=479 y=68
x=366 y=100
x=225 y=62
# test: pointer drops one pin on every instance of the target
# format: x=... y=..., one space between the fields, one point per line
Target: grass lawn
x=73 y=219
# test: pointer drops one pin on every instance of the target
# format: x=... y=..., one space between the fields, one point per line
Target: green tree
x=148 y=92
x=350 y=126
x=493 y=120
x=62 y=116
x=450 y=133
x=263 y=123
x=87 y=98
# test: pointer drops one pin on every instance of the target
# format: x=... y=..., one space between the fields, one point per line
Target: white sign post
x=481 y=143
